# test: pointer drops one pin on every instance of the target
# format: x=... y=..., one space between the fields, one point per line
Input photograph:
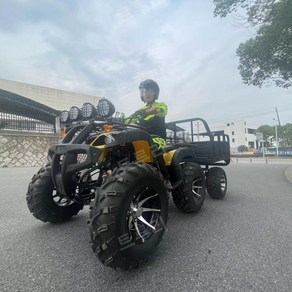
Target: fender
x=182 y=155
x=142 y=142
x=179 y=156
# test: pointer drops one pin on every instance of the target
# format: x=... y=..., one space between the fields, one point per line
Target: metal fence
x=24 y=124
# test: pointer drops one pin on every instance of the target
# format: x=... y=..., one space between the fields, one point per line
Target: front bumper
x=65 y=162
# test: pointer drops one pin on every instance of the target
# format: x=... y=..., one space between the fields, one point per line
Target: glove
x=140 y=113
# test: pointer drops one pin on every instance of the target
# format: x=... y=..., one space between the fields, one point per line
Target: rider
x=153 y=117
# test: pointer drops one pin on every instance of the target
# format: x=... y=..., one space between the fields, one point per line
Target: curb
x=288 y=173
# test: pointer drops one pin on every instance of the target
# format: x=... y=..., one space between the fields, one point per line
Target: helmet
x=149 y=84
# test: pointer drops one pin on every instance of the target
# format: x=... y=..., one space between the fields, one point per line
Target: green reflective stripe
x=160 y=142
x=159 y=105
x=132 y=121
x=149 y=117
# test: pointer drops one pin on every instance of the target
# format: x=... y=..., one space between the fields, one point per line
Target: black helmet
x=150 y=84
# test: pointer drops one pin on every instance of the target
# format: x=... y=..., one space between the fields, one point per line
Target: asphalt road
x=242 y=243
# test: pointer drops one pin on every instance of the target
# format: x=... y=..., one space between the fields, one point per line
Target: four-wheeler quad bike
x=117 y=169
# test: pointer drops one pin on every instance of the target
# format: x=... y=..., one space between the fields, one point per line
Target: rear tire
x=216 y=183
x=131 y=200
x=45 y=203
x=190 y=196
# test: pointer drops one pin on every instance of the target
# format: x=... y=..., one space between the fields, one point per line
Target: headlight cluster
x=104 y=109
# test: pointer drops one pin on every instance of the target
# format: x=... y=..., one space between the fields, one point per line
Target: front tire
x=190 y=196
x=129 y=215
x=45 y=203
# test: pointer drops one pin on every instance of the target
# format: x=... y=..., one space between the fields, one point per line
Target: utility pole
x=277 y=145
x=277 y=142
x=278 y=116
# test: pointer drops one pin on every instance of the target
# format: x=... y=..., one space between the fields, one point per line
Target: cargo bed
x=209 y=148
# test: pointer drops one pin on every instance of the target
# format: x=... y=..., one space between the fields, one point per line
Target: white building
x=54 y=98
x=240 y=133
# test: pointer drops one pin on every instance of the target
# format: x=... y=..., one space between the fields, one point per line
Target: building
x=54 y=98
x=36 y=108
x=29 y=120
x=240 y=133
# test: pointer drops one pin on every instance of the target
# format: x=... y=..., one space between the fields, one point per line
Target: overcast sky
x=106 y=48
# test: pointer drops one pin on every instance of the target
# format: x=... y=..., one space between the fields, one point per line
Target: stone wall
x=24 y=149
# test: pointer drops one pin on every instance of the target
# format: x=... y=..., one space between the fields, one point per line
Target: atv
x=117 y=169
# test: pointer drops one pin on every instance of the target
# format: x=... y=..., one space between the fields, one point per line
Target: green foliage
x=242 y=148
x=267 y=57
x=284 y=133
x=267 y=131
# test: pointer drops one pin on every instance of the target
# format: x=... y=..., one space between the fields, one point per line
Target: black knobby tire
x=45 y=203
x=216 y=181
x=190 y=196
x=119 y=238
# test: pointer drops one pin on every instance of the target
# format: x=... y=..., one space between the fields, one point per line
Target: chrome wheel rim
x=223 y=183
x=143 y=215
x=197 y=186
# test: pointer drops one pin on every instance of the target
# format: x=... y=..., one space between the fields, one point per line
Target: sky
x=106 y=48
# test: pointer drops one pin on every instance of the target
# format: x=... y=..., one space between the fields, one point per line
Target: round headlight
x=64 y=118
x=75 y=113
x=88 y=110
x=105 y=108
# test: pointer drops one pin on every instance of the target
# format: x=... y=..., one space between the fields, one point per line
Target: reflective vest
x=155 y=123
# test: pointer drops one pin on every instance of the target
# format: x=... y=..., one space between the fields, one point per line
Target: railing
x=24 y=124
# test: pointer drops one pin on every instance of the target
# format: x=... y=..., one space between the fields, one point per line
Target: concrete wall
x=55 y=98
x=24 y=149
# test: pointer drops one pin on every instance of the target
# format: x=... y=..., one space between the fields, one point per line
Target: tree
x=284 y=133
x=267 y=131
x=242 y=148
x=267 y=57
